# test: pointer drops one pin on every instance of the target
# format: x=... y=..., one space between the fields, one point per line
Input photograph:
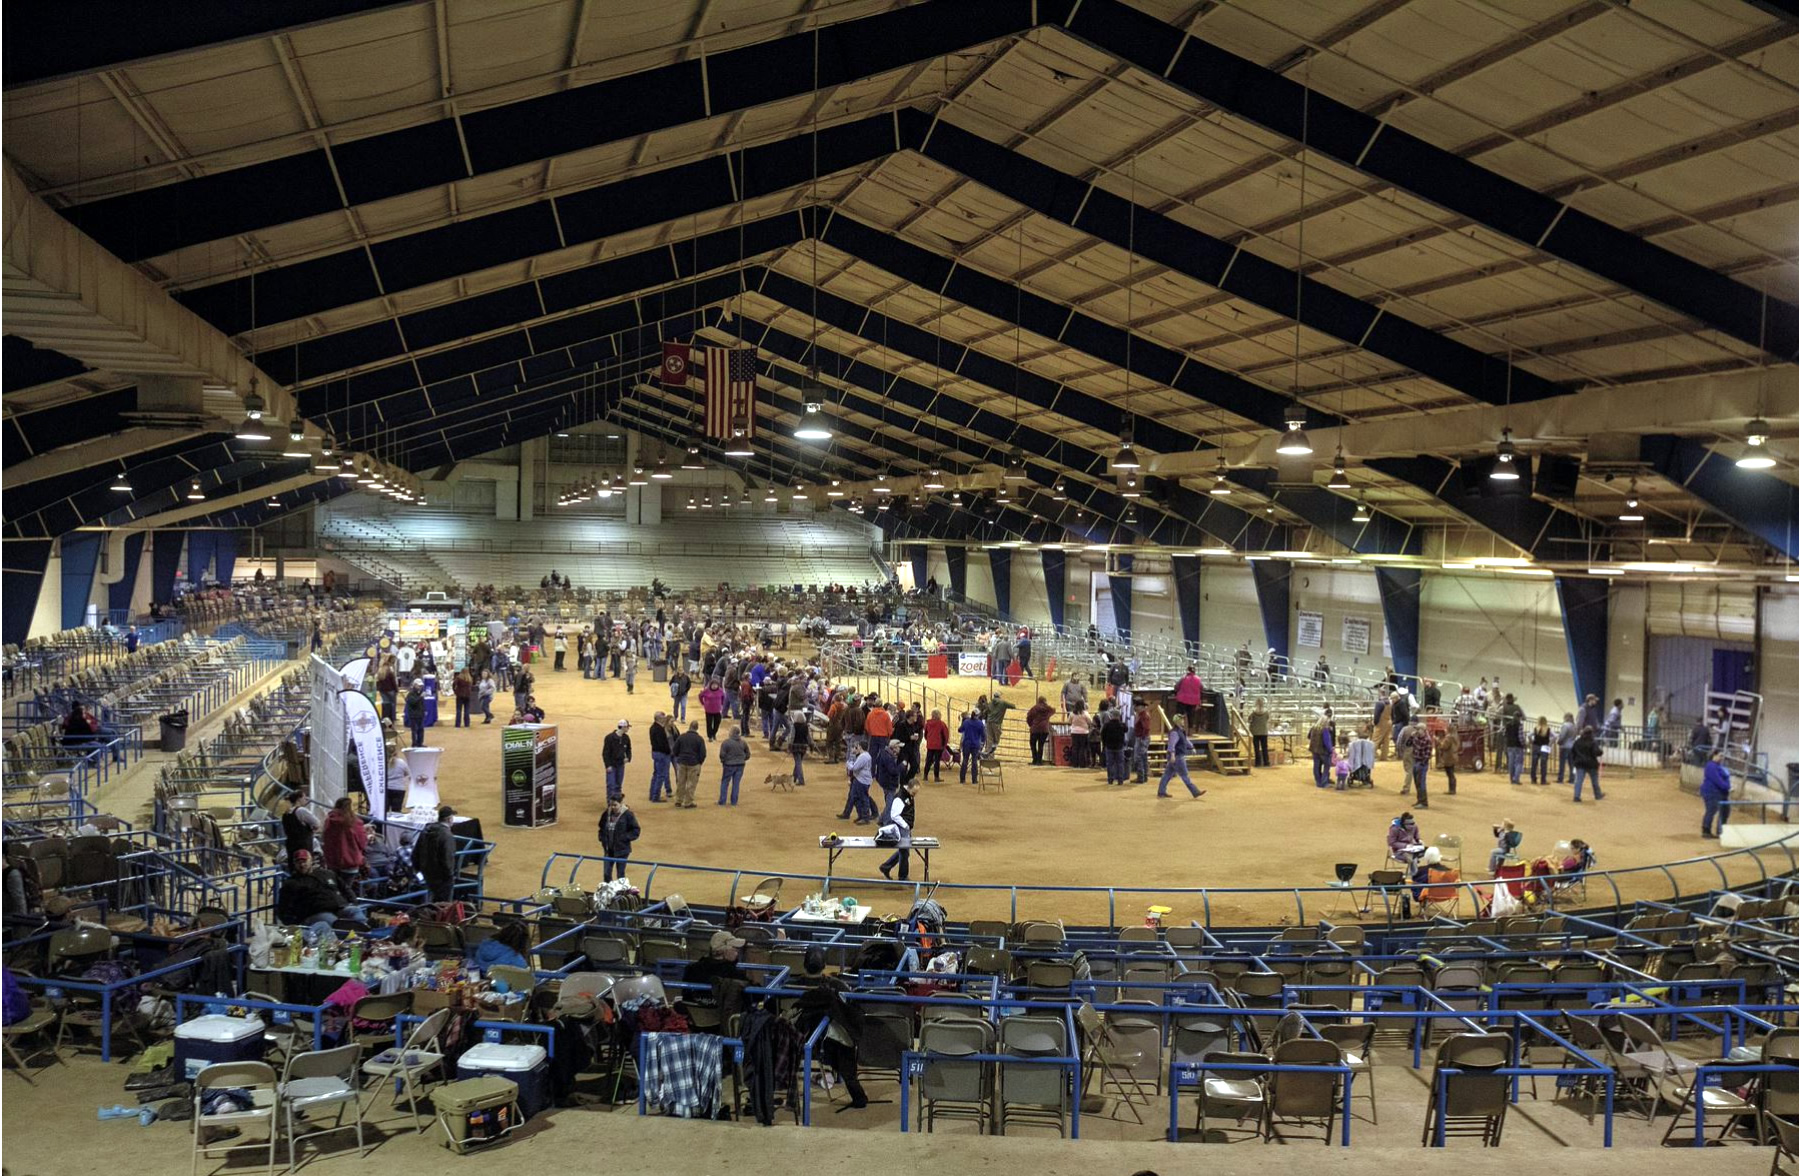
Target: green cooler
x=476 y=1110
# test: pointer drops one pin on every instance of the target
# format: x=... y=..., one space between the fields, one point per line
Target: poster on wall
x=1355 y=634
x=1311 y=630
x=528 y=762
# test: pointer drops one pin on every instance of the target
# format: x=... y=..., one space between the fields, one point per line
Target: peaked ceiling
x=451 y=226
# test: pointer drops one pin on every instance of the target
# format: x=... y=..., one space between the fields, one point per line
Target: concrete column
x=527 y=479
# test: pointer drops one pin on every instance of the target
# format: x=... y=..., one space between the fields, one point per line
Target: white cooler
x=526 y=1065
x=216 y=1038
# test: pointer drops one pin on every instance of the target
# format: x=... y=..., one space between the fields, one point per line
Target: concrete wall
x=1335 y=594
x=1778 y=671
x=1506 y=627
x=1626 y=662
x=1228 y=610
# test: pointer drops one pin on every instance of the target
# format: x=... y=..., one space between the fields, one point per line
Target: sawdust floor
x=1050 y=827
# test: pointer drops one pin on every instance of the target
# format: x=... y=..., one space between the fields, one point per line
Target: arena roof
x=447 y=227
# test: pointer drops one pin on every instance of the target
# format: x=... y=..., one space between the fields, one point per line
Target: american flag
x=730 y=391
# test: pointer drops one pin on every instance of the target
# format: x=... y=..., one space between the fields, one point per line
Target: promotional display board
x=1355 y=634
x=528 y=766
x=363 y=723
x=421 y=790
x=971 y=665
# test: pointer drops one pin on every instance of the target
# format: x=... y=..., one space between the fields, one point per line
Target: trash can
x=174 y=731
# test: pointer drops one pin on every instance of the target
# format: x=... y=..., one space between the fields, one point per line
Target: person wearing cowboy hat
x=615 y=753
x=719 y=964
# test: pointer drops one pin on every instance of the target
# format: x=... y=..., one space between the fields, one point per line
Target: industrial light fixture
x=1294 y=442
x=739 y=444
x=604 y=489
x=1126 y=458
x=346 y=468
x=273 y=501
x=194 y=493
x=934 y=481
x=122 y=484
x=1128 y=486
x=1339 y=476
x=1632 y=512
x=771 y=497
x=813 y=424
x=1506 y=468
x=882 y=506
x=327 y=444
x=956 y=497
x=1002 y=495
x=691 y=503
x=881 y=485
x=638 y=477
x=252 y=429
x=1757 y=457
x=799 y=491
x=1361 y=512
x=693 y=460
x=706 y=501
x=1221 y=484
x=661 y=473
x=1130 y=515
x=296 y=440
x=1015 y=471
x=834 y=491
x=1059 y=491
x=253 y=403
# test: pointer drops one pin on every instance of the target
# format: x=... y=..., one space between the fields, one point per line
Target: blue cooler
x=216 y=1038
x=526 y=1065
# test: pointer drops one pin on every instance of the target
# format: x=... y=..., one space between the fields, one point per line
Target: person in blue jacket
x=1715 y=790
x=1180 y=746
x=974 y=737
x=508 y=946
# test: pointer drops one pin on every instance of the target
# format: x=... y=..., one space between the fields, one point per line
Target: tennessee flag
x=674 y=364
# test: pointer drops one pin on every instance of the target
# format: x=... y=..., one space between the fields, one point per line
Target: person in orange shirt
x=878 y=726
x=936 y=738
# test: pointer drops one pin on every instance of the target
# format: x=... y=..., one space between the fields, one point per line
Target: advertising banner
x=363 y=722
x=528 y=761
x=1355 y=634
x=971 y=665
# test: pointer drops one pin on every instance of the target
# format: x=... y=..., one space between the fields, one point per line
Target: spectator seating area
x=423 y=550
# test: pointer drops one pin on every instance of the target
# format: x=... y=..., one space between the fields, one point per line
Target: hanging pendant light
x=253 y=402
x=296 y=440
x=1059 y=491
x=1221 y=485
x=1757 y=456
x=882 y=486
x=1294 y=442
x=799 y=491
x=638 y=477
x=1130 y=515
x=252 y=429
x=1361 y=512
x=1339 y=476
x=1126 y=458
x=743 y=498
x=813 y=424
x=1128 y=487
x=769 y=496
x=934 y=480
x=661 y=472
x=834 y=491
x=1633 y=511
x=1015 y=471
x=194 y=493
x=121 y=483
x=693 y=460
x=691 y=503
x=327 y=444
x=739 y=444
x=1505 y=469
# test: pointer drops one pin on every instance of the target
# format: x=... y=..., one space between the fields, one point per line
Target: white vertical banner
x=364 y=724
x=1311 y=630
x=328 y=740
x=353 y=672
x=1355 y=635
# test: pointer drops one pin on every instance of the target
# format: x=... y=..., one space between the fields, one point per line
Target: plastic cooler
x=476 y=1110
x=528 y=1066
x=205 y=1040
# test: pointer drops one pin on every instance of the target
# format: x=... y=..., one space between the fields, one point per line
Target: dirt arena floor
x=1050 y=827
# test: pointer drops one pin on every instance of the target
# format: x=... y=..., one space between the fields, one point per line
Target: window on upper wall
x=589 y=449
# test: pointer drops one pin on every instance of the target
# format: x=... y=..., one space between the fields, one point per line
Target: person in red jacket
x=345 y=841
x=936 y=738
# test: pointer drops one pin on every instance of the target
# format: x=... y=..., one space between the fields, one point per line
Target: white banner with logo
x=363 y=722
x=971 y=665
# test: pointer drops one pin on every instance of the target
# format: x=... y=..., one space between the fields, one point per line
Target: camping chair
x=1474 y=1101
x=316 y=1080
x=255 y=1078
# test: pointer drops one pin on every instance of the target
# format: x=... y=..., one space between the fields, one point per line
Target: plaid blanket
x=682 y=1074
